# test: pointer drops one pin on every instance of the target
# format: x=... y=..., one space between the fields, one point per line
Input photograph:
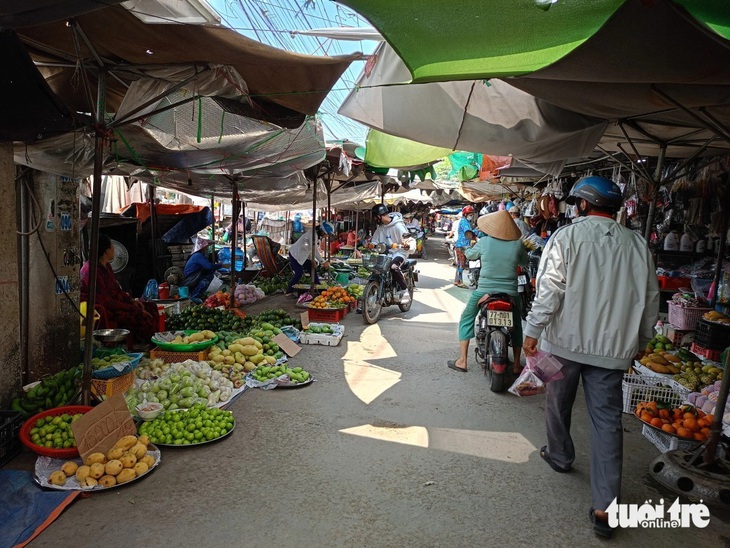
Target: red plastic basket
x=326 y=315
x=707 y=353
x=684 y=317
x=28 y=425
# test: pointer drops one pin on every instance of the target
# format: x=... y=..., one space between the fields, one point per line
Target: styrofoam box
x=325 y=339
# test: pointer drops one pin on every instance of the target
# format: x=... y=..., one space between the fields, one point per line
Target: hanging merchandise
x=701 y=245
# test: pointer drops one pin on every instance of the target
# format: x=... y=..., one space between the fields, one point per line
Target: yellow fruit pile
x=122 y=463
x=716 y=317
x=661 y=362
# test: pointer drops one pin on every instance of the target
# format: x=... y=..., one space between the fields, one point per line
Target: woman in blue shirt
x=199 y=271
x=461 y=243
x=501 y=252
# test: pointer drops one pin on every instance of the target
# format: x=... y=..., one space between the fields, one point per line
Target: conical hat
x=499 y=225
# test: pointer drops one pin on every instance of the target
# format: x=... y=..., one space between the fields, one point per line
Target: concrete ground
x=388 y=448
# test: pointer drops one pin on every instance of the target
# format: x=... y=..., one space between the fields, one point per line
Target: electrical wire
x=24 y=180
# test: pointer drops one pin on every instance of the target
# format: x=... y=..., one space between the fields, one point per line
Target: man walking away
x=596 y=304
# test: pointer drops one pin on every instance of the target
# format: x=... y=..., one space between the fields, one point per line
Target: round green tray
x=185 y=347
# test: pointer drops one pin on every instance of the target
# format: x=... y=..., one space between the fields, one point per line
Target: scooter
x=419 y=236
x=471 y=273
x=381 y=288
x=526 y=291
x=495 y=325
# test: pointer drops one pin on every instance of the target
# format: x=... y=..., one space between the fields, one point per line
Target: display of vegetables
x=55 y=432
x=355 y=290
x=151 y=369
x=685 y=421
x=183 y=385
x=296 y=375
x=247 y=294
x=334 y=297
x=106 y=361
x=273 y=284
x=269 y=319
x=187 y=427
x=243 y=356
x=201 y=317
x=60 y=389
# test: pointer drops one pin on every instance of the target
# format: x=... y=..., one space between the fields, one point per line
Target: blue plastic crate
x=112 y=372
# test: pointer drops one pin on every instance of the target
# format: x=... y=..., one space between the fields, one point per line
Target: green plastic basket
x=185 y=347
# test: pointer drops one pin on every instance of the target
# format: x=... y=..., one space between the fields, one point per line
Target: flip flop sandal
x=452 y=365
x=600 y=527
x=544 y=456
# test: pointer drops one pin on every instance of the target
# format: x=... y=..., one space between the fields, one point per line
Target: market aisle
x=388 y=448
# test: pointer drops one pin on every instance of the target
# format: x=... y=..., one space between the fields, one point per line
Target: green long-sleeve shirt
x=500 y=259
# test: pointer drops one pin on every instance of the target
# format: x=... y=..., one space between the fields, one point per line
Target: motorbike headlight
x=381 y=248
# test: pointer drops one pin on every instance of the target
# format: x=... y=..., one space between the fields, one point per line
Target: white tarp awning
x=488 y=117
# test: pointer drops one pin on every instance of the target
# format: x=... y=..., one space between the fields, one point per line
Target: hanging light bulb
x=545 y=5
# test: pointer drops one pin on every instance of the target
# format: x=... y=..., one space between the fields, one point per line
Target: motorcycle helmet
x=598 y=191
x=467 y=210
x=380 y=210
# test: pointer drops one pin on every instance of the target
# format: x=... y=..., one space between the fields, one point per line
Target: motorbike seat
x=497 y=297
x=408 y=263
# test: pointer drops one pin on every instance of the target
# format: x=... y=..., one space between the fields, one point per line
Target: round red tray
x=50 y=451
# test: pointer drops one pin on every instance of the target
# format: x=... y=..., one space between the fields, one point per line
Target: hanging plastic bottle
x=701 y=245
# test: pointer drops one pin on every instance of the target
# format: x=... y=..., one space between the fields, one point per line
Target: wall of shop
x=9 y=297
x=54 y=269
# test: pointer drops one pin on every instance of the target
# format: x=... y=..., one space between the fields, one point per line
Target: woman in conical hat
x=500 y=252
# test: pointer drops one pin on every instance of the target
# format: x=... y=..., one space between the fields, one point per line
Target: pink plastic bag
x=545 y=366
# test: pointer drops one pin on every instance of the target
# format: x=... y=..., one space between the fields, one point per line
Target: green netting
x=471 y=39
x=465 y=165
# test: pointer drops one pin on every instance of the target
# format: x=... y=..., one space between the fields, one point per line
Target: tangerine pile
x=686 y=421
x=334 y=297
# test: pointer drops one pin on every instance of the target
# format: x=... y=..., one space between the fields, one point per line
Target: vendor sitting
x=199 y=271
x=119 y=308
x=300 y=254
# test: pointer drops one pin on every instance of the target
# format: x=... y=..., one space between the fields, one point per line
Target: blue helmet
x=598 y=191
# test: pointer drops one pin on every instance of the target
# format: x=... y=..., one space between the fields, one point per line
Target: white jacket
x=597 y=296
x=392 y=233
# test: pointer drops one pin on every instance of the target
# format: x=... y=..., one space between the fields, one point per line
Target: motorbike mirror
x=381 y=248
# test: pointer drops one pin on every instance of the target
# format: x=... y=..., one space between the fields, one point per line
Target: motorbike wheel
x=497 y=352
x=405 y=307
x=371 y=306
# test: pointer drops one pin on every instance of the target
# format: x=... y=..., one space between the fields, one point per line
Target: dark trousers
x=604 y=400
x=400 y=279
x=198 y=292
x=299 y=270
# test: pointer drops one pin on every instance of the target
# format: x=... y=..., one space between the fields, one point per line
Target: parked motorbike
x=419 y=236
x=471 y=273
x=494 y=328
x=526 y=291
x=381 y=289
x=449 y=243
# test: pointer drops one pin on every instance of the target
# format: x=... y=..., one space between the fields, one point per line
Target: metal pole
x=234 y=246
x=212 y=209
x=151 y=195
x=716 y=427
x=94 y=251
x=657 y=184
x=313 y=265
x=24 y=216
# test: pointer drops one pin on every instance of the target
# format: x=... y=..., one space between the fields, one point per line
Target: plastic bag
x=545 y=366
x=527 y=384
x=151 y=290
x=215 y=284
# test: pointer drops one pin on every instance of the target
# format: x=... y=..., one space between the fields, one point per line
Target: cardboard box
x=99 y=429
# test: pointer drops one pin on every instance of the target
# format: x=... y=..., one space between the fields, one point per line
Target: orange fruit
x=683 y=432
x=705 y=431
x=656 y=421
x=646 y=417
x=688 y=416
x=699 y=436
x=664 y=413
x=710 y=418
x=669 y=428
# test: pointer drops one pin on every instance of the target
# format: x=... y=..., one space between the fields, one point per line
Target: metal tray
x=200 y=442
x=45 y=465
x=309 y=381
x=663 y=432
